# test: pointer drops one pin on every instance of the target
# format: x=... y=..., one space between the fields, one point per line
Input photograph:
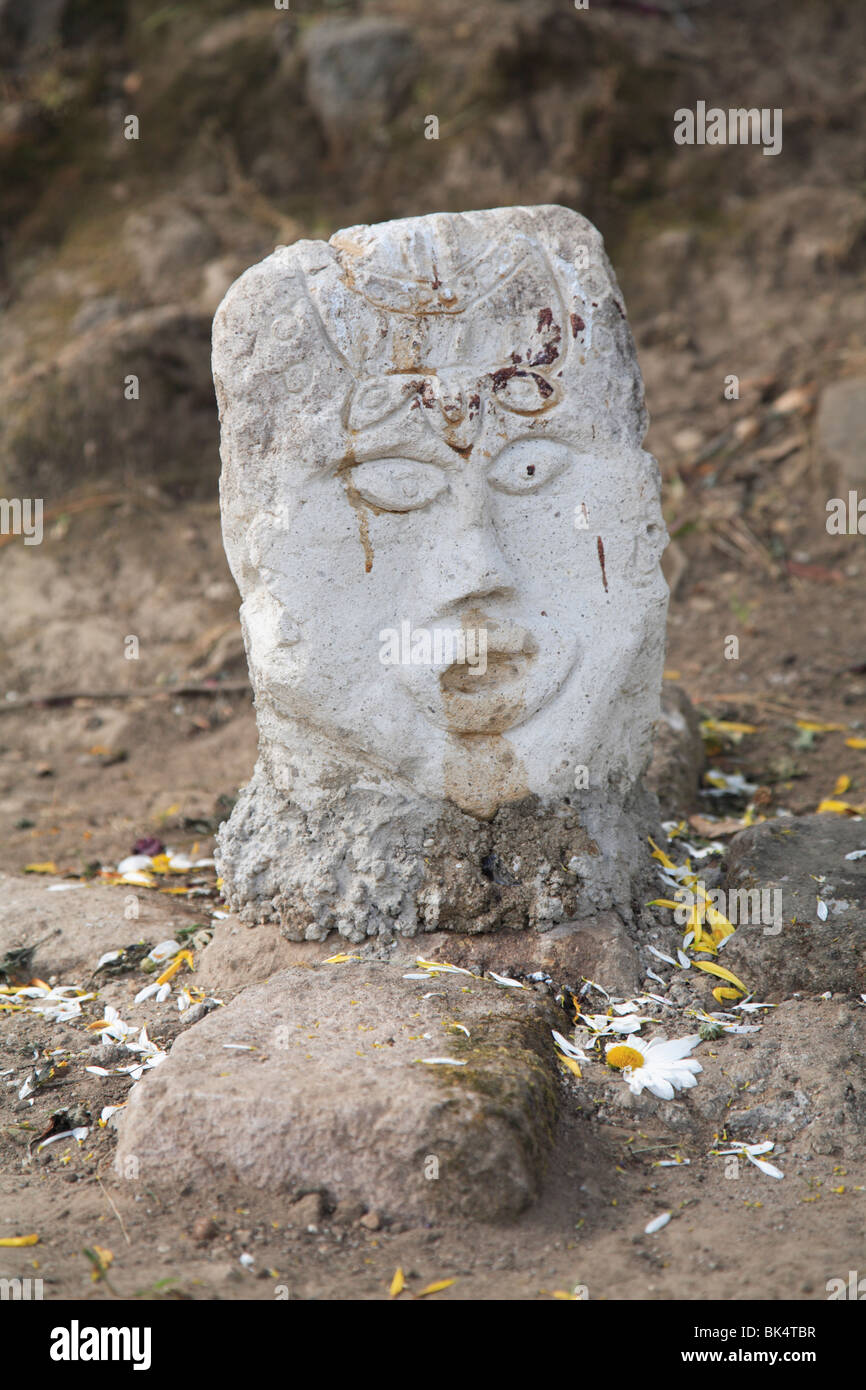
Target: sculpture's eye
x=398 y=485
x=528 y=464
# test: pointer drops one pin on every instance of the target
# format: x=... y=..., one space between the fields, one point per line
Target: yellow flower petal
x=570 y=1063
x=722 y=993
x=19 y=1240
x=727 y=726
x=712 y=969
x=660 y=854
x=169 y=974
x=435 y=1288
x=398 y=1284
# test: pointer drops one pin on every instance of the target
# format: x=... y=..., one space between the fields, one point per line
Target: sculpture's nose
x=471 y=562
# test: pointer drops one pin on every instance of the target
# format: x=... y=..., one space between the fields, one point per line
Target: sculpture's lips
x=502 y=669
x=498 y=659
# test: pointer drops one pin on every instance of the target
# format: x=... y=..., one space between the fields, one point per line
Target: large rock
x=316 y=1081
x=798 y=865
x=69 y=420
x=446 y=535
x=840 y=432
x=359 y=71
x=800 y=1081
x=77 y=923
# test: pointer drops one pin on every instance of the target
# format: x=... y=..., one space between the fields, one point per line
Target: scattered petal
x=657 y=1223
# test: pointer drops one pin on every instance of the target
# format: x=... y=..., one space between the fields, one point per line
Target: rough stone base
x=315 y=1081
x=367 y=864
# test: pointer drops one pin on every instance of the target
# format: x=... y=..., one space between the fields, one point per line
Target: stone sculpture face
x=438 y=511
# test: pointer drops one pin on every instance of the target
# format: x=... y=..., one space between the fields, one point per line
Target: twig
x=739 y=698
x=66 y=697
x=78 y=504
x=110 y=1201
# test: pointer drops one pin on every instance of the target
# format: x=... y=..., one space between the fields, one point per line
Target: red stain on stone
x=600 y=544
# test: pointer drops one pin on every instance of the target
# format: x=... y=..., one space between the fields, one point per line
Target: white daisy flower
x=661 y=1066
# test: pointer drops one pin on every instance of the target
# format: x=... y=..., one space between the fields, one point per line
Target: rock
x=794 y=863
x=81 y=922
x=598 y=948
x=66 y=420
x=335 y=1095
x=204 y=1229
x=800 y=1081
x=347 y=1214
x=456 y=656
x=306 y=1212
x=238 y=955
x=840 y=428
x=678 y=754
x=371 y=1221
x=359 y=71
x=170 y=243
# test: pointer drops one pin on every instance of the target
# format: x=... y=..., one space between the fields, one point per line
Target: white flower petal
x=146 y=993
x=660 y=1086
x=657 y=1223
x=133 y=863
x=765 y=1167
x=108 y=958
x=661 y=955
x=504 y=980
x=166 y=950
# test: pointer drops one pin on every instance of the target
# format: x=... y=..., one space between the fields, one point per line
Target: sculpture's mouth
x=500 y=670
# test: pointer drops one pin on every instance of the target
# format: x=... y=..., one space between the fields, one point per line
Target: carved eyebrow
x=377 y=456
x=371 y=454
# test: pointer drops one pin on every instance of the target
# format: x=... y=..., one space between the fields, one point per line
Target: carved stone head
x=446 y=535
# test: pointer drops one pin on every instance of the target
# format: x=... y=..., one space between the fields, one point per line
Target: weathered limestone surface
x=334 y=1093
x=446 y=535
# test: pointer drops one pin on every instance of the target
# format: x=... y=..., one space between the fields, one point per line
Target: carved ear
x=375 y=398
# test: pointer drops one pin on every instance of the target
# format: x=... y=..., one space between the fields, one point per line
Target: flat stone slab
x=805 y=861
x=317 y=1080
x=80 y=921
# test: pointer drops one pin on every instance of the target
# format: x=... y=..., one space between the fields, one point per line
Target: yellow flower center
x=622 y=1056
